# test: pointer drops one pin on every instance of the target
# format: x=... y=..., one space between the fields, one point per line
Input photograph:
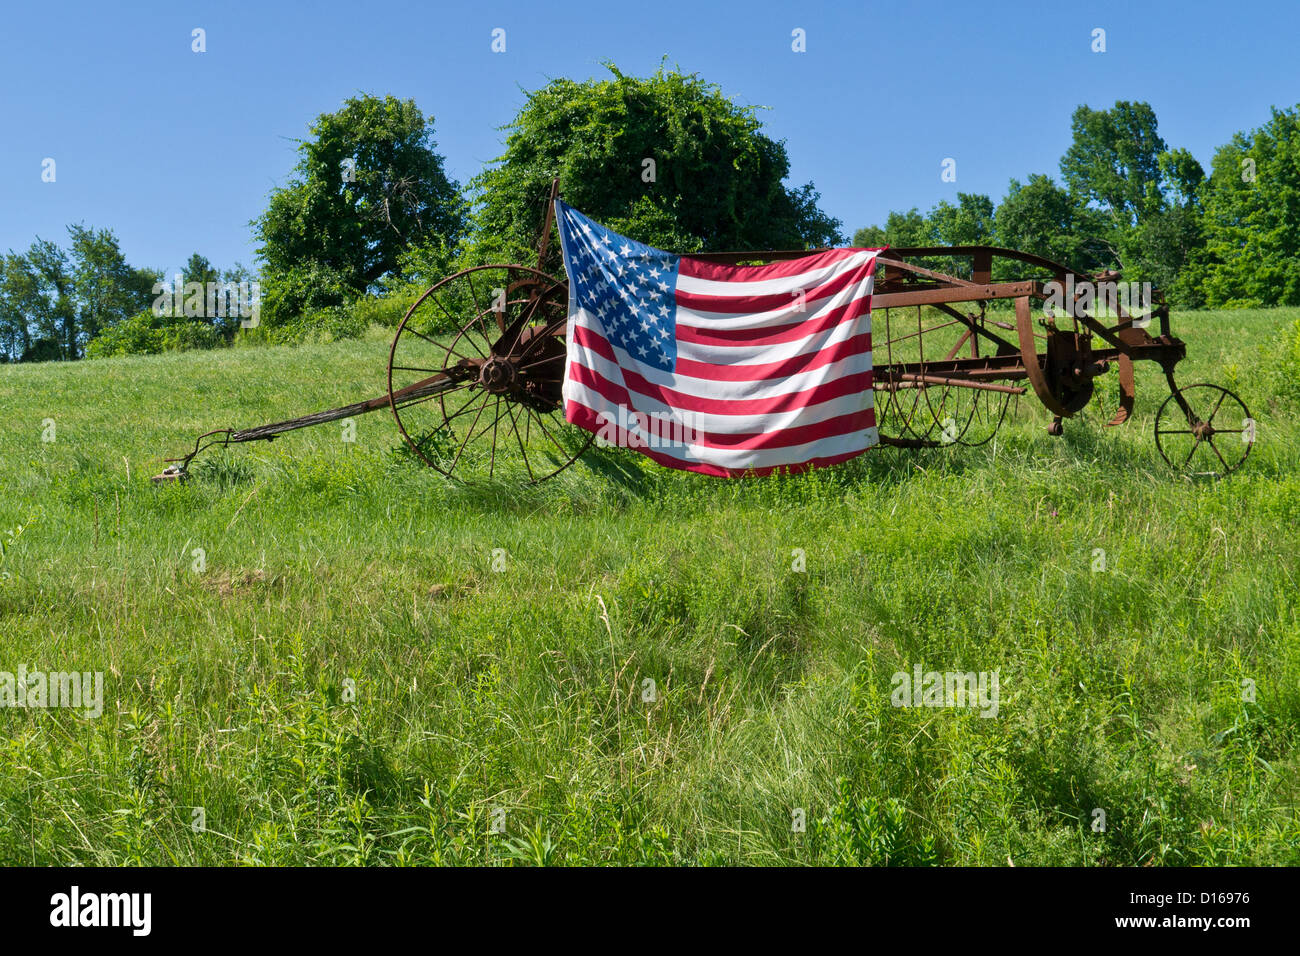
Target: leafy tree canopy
x=367 y=185
x=1252 y=216
x=1041 y=218
x=54 y=300
x=666 y=159
x=1114 y=161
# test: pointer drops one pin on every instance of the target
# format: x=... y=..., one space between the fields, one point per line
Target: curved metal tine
x=911 y=415
x=943 y=406
x=1003 y=407
x=904 y=418
x=988 y=398
x=903 y=421
x=957 y=412
x=934 y=418
x=894 y=410
x=952 y=405
x=520 y=442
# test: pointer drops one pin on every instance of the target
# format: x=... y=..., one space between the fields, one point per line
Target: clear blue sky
x=176 y=151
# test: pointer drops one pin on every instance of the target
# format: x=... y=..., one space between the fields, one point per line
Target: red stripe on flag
x=582 y=416
x=773 y=334
x=720 y=272
x=858 y=382
x=798 y=435
x=804 y=362
x=739 y=304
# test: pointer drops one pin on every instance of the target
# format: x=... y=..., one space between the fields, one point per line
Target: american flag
x=724 y=370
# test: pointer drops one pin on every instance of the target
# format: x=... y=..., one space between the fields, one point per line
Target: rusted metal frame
x=433 y=385
x=1002 y=344
x=542 y=247
x=978 y=252
x=965 y=337
x=989 y=366
x=890 y=441
x=763 y=256
x=1010 y=367
x=908 y=380
x=888 y=260
x=1125 y=336
x=972 y=293
x=919 y=333
x=1040 y=367
x=430 y=386
x=982 y=257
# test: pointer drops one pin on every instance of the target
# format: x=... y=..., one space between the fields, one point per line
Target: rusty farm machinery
x=477 y=364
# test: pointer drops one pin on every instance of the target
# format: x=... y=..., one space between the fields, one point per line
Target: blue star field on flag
x=629 y=286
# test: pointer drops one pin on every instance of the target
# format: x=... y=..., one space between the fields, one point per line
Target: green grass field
x=359 y=675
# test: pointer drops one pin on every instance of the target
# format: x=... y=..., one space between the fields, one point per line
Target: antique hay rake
x=476 y=366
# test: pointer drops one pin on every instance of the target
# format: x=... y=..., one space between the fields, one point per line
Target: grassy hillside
x=349 y=680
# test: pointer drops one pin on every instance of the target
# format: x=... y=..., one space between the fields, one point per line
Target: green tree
x=1114 y=161
x=1252 y=216
x=969 y=223
x=54 y=317
x=1147 y=194
x=21 y=302
x=667 y=159
x=105 y=287
x=367 y=185
x=199 y=269
x=901 y=229
x=1041 y=218
x=52 y=301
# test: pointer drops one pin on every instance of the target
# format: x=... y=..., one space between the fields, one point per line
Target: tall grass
x=624 y=665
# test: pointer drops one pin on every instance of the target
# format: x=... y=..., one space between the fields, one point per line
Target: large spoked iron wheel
x=496 y=333
x=1204 y=431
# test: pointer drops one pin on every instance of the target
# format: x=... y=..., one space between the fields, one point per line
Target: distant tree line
x=61 y=303
x=53 y=300
x=1127 y=201
x=368 y=216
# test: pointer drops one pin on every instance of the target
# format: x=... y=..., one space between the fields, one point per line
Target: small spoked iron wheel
x=1204 y=430
x=496 y=332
